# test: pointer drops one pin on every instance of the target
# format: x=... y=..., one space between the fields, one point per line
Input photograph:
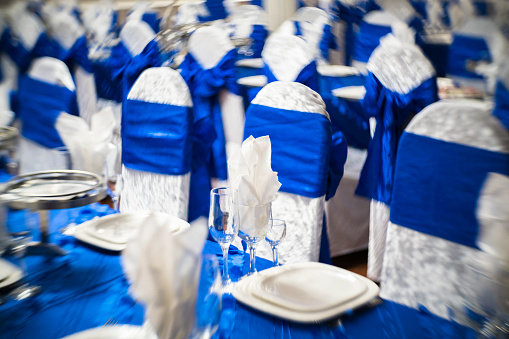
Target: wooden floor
x=355 y=262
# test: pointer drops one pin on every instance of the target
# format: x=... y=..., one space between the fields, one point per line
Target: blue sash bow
x=328 y=41
x=258 y=35
x=40 y=112
x=308 y=76
x=310 y=169
x=298 y=30
x=157 y=137
x=501 y=110
x=216 y=10
x=463 y=49
x=205 y=84
x=152 y=20
x=437 y=185
x=391 y=111
x=367 y=39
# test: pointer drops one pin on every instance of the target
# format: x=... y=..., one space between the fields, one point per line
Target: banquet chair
x=157 y=144
x=52 y=93
x=250 y=21
x=400 y=83
x=447 y=154
x=309 y=161
x=373 y=27
x=135 y=35
x=477 y=43
x=314 y=26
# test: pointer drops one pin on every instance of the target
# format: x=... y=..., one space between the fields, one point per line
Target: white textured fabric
x=27 y=27
x=244 y=17
x=51 y=71
x=423 y=269
x=153 y=191
x=135 y=35
x=378 y=220
x=312 y=21
x=303 y=215
x=400 y=66
x=286 y=56
x=402 y=9
x=209 y=45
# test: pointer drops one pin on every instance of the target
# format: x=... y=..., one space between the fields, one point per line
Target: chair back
x=303 y=152
x=135 y=35
x=157 y=144
x=444 y=157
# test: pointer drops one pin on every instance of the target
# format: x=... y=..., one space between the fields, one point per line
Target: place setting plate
x=337 y=70
x=9 y=273
x=115 y=331
x=253 y=81
x=305 y=292
x=354 y=93
x=112 y=232
x=250 y=63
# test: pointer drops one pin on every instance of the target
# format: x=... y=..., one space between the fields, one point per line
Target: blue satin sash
x=308 y=76
x=437 y=185
x=392 y=112
x=308 y=158
x=258 y=35
x=152 y=20
x=466 y=48
x=367 y=39
x=216 y=9
x=501 y=110
x=328 y=41
x=298 y=30
x=157 y=138
x=39 y=106
x=16 y=51
x=351 y=15
x=205 y=85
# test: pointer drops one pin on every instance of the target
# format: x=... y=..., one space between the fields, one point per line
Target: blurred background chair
x=157 y=144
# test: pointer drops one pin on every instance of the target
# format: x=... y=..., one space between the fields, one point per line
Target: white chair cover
x=244 y=17
x=208 y=45
x=400 y=66
x=153 y=191
x=421 y=269
x=135 y=35
x=303 y=215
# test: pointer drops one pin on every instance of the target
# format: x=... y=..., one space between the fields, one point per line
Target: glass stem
x=225 y=248
x=252 y=259
x=275 y=255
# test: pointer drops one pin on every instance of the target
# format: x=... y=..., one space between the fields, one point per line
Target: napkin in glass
x=164 y=271
x=252 y=176
x=88 y=146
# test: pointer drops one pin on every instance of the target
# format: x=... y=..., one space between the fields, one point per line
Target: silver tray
x=8 y=137
x=53 y=190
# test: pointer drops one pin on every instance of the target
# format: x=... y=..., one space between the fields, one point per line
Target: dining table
x=87 y=288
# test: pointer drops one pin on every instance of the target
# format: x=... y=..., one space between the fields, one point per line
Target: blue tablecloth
x=87 y=288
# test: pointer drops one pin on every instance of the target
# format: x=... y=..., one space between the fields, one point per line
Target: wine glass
x=18 y=247
x=222 y=223
x=274 y=237
x=255 y=222
x=209 y=300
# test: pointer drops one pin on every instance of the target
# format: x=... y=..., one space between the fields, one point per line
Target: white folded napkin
x=256 y=184
x=88 y=146
x=164 y=271
x=493 y=216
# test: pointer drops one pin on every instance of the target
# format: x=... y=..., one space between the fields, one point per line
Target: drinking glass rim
x=215 y=191
x=278 y=222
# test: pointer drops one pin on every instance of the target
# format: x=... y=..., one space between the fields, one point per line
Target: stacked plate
x=253 y=81
x=9 y=273
x=337 y=70
x=250 y=63
x=305 y=292
x=353 y=93
x=112 y=232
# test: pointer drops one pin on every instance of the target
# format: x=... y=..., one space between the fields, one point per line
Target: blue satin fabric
x=152 y=20
x=328 y=42
x=501 y=110
x=16 y=51
x=298 y=30
x=38 y=106
x=157 y=138
x=346 y=116
x=392 y=112
x=351 y=15
x=308 y=158
x=205 y=85
x=87 y=288
x=367 y=39
x=437 y=184
x=463 y=49
x=308 y=76
x=258 y=35
x=216 y=10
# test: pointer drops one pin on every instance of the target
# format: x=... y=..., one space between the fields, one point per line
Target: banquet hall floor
x=356 y=262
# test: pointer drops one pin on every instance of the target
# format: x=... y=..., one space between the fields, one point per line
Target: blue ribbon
x=41 y=109
x=501 y=110
x=205 y=84
x=367 y=39
x=308 y=76
x=466 y=48
x=152 y=20
x=216 y=9
x=391 y=111
x=15 y=50
x=157 y=138
x=308 y=158
x=258 y=35
x=351 y=15
x=298 y=30
x=437 y=185
x=328 y=41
